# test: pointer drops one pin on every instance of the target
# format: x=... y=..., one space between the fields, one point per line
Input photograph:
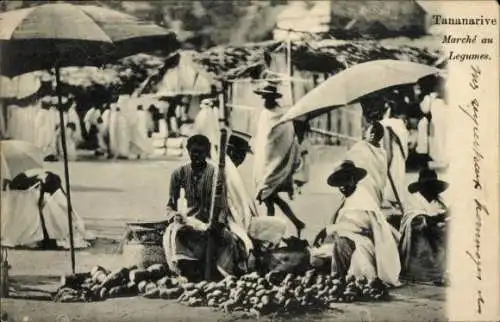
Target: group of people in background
x=40 y=125
x=120 y=132
x=116 y=129
x=371 y=176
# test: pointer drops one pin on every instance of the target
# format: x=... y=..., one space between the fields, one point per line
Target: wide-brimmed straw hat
x=345 y=174
x=269 y=90
x=427 y=180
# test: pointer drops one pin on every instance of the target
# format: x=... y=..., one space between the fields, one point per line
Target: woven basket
x=143 y=255
x=144 y=252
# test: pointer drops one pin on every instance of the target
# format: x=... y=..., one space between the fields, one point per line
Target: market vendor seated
x=423 y=227
x=185 y=238
x=359 y=241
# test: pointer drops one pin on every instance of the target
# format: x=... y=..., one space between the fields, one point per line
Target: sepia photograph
x=241 y=160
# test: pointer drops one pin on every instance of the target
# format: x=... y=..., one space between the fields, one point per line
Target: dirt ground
x=410 y=303
x=107 y=194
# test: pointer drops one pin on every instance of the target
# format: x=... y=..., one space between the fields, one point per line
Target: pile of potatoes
x=99 y=283
x=275 y=293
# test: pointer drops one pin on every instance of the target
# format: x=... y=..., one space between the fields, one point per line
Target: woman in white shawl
x=45 y=126
x=119 y=138
x=71 y=141
x=206 y=121
x=139 y=125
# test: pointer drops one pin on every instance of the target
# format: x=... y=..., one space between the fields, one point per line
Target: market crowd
x=359 y=239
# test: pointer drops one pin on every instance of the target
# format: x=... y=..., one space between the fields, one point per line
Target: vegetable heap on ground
x=275 y=292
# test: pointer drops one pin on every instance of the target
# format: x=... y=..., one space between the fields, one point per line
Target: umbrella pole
x=223 y=108
x=66 y=169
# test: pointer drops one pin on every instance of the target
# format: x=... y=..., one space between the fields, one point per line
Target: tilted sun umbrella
x=356 y=82
x=61 y=34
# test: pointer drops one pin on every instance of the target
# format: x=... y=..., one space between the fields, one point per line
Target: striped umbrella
x=63 y=34
x=60 y=35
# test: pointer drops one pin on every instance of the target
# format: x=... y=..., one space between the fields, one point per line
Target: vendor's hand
x=216 y=227
x=419 y=223
x=179 y=218
x=259 y=197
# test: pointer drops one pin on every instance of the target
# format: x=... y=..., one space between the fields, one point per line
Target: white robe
x=206 y=122
x=276 y=153
x=22 y=226
x=397 y=168
x=72 y=116
x=70 y=144
x=372 y=258
x=374 y=160
x=106 y=120
x=55 y=214
x=91 y=118
x=302 y=173
x=437 y=146
x=139 y=142
x=21 y=123
x=417 y=205
x=3 y=123
x=45 y=126
x=422 y=127
x=119 y=136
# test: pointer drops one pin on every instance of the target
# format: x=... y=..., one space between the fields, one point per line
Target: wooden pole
x=66 y=169
x=289 y=66
x=216 y=207
x=223 y=107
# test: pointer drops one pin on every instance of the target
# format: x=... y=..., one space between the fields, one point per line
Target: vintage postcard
x=230 y=160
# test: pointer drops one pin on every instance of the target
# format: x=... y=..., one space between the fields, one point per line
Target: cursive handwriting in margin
x=472 y=111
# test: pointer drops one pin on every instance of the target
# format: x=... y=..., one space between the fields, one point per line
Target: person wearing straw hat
x=276 y=156
x=359 y=239
x=424 y=222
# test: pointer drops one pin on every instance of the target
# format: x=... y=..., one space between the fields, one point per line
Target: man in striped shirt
x=185 y=238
